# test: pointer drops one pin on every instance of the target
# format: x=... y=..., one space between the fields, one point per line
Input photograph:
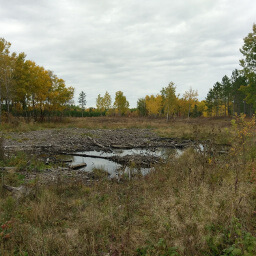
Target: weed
x=1 y=148
x=99 y=173
x=243 y=144
x=234 y=240
x=5 y=230
x=26 y=162
x=158 y=249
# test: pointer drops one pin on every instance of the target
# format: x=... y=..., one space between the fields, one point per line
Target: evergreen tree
x=82 y=101
x=141 y=106
x=249 y=68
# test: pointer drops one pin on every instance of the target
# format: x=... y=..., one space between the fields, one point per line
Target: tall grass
x=189 y=205
x=1 y=148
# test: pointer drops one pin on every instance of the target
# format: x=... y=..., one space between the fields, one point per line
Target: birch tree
x=169 y=100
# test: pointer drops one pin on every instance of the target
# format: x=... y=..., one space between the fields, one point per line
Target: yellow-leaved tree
x=28 y=89
x=190 y=97
x=7 y=63
x=169 y=100
x=103 y=103
x=121 y=104
x=59 y=95
x=153 y=105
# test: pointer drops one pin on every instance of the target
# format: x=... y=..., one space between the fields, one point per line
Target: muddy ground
x=52 y=142
x=78 y=139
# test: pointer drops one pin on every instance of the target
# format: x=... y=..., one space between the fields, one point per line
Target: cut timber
x=78 y=166
x=98 y=144
x=65 y=161
x=122 y=146
x=85 y=155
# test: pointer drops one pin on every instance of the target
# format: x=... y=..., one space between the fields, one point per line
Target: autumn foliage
x=168 y=103
x=28 y=89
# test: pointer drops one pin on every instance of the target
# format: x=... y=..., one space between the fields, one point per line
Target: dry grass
x=193 y=203
x=1 y=148
x=181 y=202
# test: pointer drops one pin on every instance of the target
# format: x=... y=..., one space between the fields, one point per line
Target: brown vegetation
x=195 y=204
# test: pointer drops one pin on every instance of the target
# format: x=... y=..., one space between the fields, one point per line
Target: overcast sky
x=134 y=46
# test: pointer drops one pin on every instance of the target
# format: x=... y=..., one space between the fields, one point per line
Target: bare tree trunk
x=229 y=112
x=225 y=107
x=0 y=108
x=8 y=110
x=167 y=114
x=0 y=103
x=7 y=94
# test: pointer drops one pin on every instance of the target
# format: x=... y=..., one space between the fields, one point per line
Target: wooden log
x=65 y=161
x=48 y=161
x=122 y=146
x=85 y=155
x=98 y=144
x=78 y=166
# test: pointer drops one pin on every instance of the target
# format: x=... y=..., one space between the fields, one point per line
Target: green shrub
x=158 y=249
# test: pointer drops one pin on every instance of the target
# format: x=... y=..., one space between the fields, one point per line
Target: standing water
x=113 y=167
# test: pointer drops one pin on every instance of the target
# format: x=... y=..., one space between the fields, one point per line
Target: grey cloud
x=134 y=46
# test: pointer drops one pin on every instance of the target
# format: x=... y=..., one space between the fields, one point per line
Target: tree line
x=168 y=103
x=233 y=95
x=27 y=89
x=104 y=105
x=237 y=94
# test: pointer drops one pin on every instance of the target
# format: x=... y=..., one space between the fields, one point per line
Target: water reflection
x=114 y=168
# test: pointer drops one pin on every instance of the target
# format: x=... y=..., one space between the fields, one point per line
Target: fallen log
x=65 y=161
x=222 y=152
x=78 y=166
x=84 y=155
x=122 y=146
x=18 y=192
x=164 y=139
x=49 y=160
x=98 y=144
x=182 y=145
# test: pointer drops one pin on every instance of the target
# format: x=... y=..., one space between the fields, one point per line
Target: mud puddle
x=125 y=161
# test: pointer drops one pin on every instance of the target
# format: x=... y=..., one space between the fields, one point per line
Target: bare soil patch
x=79 y=139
